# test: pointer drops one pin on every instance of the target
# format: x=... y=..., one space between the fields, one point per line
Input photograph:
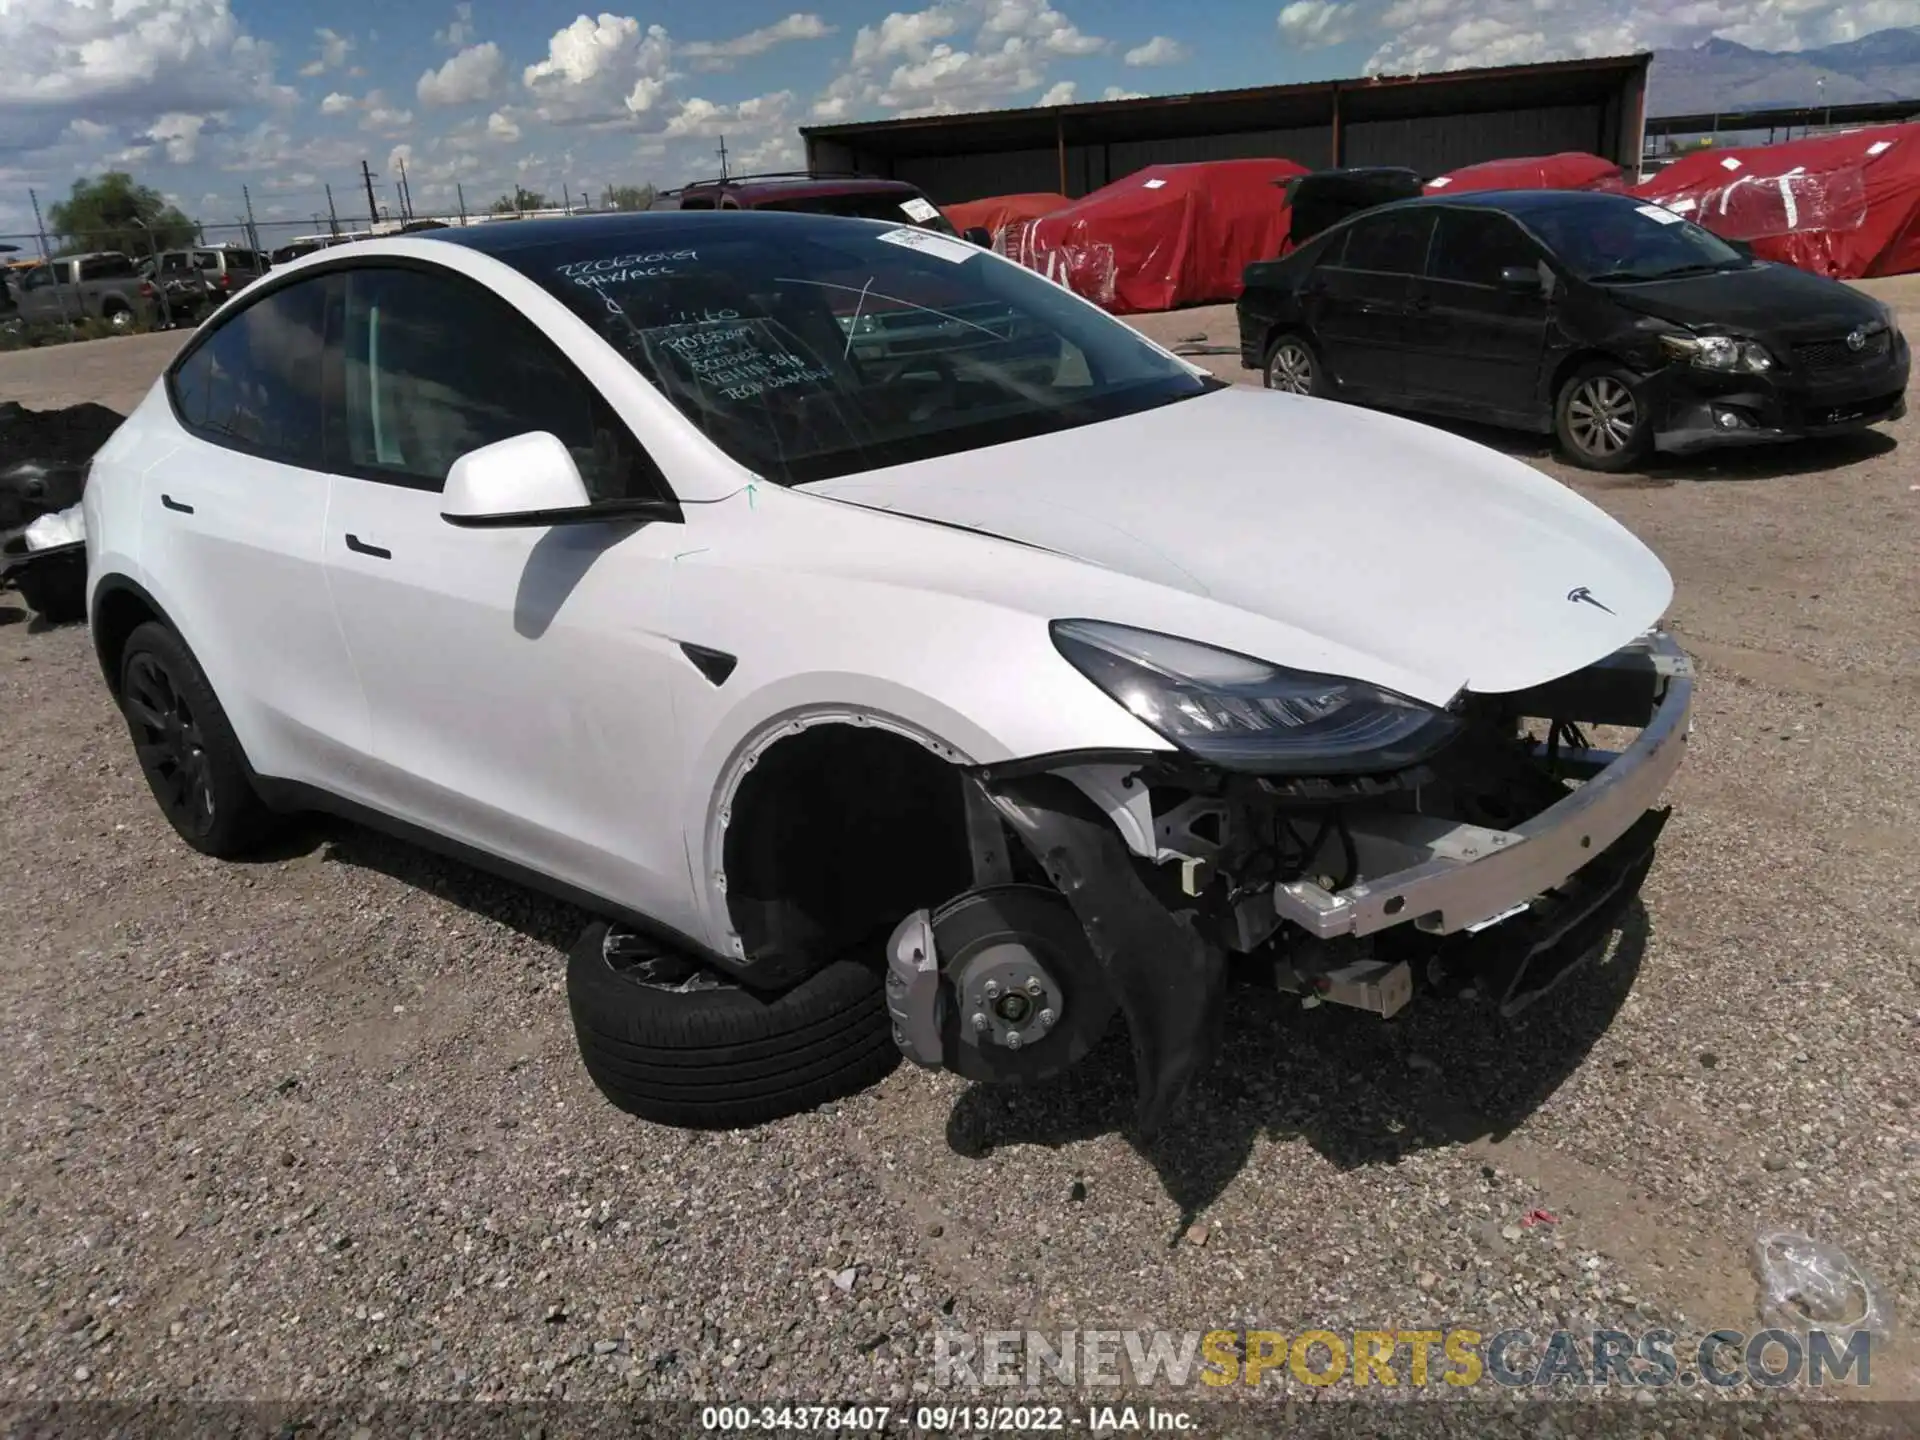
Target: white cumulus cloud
x=1311 y=24
x=904 y=34
x=503 y=127
x=1160 y=50
x=724 y=54
x=334 y=48
x=126 y=63
x=178 y=135
x=1061 y=92
x=472 y=75
x=601 y=70
x=1036 y=21
x=459 y=30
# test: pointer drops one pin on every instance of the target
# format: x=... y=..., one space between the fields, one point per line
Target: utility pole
x=373 y=206
x=722 y=152
x=46 y=253
x=333 y=217
x=406 y=193
x=461 y=191
x=566 y=199
x=253 y=235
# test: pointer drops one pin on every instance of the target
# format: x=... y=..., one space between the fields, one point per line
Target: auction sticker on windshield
x=918 y=209
x=1654 y=212
x=956 y=252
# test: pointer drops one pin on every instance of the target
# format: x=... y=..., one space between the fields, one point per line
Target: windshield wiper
x=1635 y=277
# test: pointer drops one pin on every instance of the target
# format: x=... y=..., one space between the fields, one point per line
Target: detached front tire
x=679 y=1045
x=1602 y=418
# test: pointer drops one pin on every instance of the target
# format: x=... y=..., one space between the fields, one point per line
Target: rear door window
x=1391 y=244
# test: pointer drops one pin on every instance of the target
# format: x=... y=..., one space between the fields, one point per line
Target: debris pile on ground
x=43 y=457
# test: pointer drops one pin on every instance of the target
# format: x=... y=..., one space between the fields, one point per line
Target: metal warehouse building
x=1430 y=123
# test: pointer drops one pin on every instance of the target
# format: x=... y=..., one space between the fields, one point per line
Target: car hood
x=1449 y=564
x=1764 y=299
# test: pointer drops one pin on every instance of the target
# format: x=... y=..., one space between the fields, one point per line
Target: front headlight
x=1245 y=714
x=1720 y=352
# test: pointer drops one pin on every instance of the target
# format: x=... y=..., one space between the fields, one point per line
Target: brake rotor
x=1025 y=995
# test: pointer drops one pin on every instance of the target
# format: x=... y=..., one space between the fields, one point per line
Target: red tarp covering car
x=1569 y=170
x=997 y=212
x=1843 y=205
x=1164 y=236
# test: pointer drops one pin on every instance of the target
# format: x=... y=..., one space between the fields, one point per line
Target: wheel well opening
x=1572 y=366
x=117 y=614
x=836 y=834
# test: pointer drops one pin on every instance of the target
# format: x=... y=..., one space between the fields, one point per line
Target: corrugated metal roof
x=1441 y=79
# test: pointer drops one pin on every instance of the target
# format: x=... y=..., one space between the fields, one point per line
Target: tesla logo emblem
x=1857 y=340
x=1580 y=595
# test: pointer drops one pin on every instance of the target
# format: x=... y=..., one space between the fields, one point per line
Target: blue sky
x=201 y=97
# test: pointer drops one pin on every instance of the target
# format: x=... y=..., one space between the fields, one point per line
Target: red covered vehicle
x=1846 y=206
x=1568 y=170
x=1162 y=237
x=997 y=212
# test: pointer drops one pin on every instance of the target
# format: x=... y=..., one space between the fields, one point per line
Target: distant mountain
x=1723 y=76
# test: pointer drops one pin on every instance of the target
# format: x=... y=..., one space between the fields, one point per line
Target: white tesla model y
x=899 y=654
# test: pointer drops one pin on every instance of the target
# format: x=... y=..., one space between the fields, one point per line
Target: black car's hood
x=1763 y=299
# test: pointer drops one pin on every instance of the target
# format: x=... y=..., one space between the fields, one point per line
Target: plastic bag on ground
x=1807 y=1283
x=61 y=528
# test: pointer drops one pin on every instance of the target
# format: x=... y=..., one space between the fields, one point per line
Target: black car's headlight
x=1720 y=352
x=1246 y=714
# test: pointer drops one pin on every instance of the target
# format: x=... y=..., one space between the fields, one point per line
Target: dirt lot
x=315 y=1127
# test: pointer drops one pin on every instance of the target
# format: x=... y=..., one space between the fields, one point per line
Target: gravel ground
x=314 y=1127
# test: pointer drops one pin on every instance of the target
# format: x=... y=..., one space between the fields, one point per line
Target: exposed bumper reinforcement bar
x=1478 y=883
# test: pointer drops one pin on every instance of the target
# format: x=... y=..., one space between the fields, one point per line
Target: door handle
x=173 y=504
x=360 y=547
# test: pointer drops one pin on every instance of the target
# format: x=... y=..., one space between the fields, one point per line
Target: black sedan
x=1615 y=324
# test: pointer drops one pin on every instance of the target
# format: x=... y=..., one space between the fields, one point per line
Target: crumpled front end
x=1148 y=883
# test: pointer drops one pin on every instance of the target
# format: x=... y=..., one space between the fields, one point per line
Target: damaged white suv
x=900 y=654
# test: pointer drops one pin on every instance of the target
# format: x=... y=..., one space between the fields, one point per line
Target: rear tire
x=1293 y=366
x=119 y=317
x=1602 y=419
x=721 y=1057
x=187 y=750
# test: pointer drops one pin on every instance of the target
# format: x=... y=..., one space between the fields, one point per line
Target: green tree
x=521 y=199
x=630 y=197
x=107 y=213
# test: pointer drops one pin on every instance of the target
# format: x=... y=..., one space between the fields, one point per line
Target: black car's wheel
x=187 y=750
x=670 y=1041
x=1294 y=366
x=1602 y=418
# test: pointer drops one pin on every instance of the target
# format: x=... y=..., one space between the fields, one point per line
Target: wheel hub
x=1007 y=996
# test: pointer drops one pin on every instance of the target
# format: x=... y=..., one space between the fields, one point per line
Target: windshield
x=1619 y=244
x=808 y=349
x=887 y=205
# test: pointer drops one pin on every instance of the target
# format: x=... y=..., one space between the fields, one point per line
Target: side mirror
x=1522 y=278
x=531 y=480
x=979 y=235
x=1743 y=247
